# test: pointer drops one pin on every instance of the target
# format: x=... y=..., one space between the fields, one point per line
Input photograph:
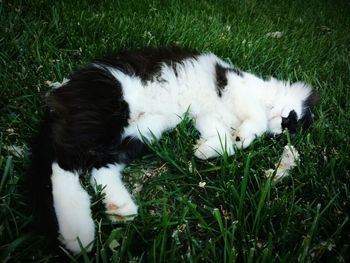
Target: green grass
x=239 y=215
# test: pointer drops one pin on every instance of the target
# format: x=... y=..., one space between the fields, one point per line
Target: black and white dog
x=96 y=121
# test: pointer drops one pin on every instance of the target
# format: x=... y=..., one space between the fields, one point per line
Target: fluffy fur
x=97 y=120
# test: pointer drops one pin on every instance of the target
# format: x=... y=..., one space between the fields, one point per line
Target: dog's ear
x=290 y=122
x=311 y=100
x=308 y=117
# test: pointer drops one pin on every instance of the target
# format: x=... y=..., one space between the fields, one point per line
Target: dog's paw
x=78 y=235
x=76 y=246
x=243 y=142
x=117 y=200
x=203 y=150
x=247 y=133
x=199 y=149
x=122 y=210
x=206 y=149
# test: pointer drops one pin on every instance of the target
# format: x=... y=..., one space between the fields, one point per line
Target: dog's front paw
x=242 y=141
x=210 y=148
x=247 y=132
x=204 y=149
x=200 y=150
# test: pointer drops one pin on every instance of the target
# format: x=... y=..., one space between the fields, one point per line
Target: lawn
x=223 y=210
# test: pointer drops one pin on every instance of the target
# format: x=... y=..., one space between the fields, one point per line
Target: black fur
x=87 y=116
x=221 y=78
x=290 y=122
x=308 y=104
x=146 y=62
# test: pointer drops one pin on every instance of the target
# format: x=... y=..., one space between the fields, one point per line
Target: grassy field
x=239 y=215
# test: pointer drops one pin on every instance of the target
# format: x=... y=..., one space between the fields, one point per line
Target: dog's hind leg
x=72 y=208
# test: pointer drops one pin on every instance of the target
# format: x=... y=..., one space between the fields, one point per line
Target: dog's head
x=292 y=108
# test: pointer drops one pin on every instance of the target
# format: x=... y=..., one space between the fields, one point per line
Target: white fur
x=72 y=207
x=249 y=105
x=118 y=201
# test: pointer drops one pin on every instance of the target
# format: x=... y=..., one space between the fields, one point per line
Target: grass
x=239 y=215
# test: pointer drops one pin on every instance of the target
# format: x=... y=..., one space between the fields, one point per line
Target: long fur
x=96 y=122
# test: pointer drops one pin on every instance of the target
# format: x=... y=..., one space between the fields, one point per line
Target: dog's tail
x=39 y=182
